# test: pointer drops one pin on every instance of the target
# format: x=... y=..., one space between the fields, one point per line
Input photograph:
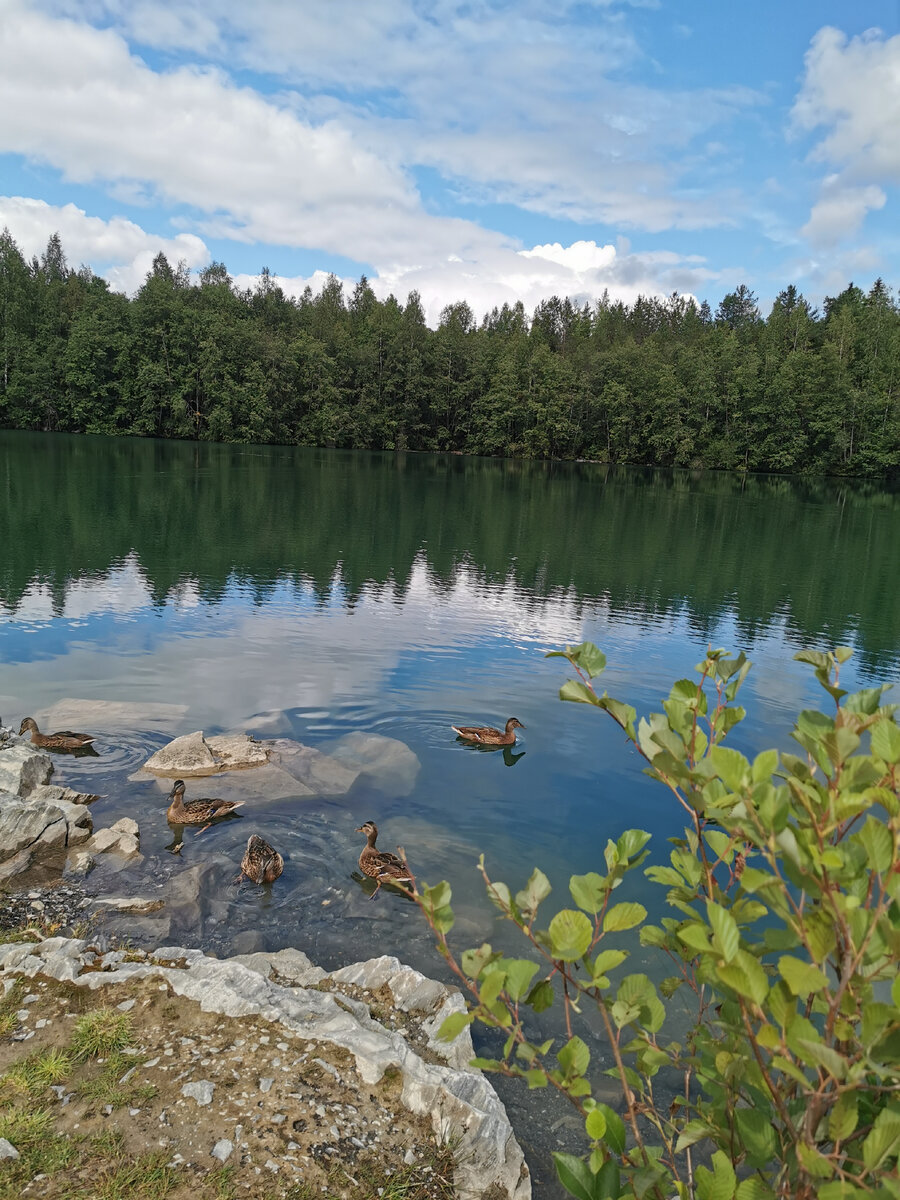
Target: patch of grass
x=101 y=1032
x=10 y=1003
x=109 y=1142
x=146 y=1178
x=222 y=1182
x=34 y=1074
x=24 y=1126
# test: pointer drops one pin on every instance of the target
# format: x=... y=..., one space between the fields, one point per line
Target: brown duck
x=261 y=862
x=488 y=736
x=63 y=740
x=197 y=812
x=381 y=865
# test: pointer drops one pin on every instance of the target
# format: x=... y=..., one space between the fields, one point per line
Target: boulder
x=23 y=824
x=121 y=838
x=321 y=774
x=92 y=715
x=23 y=767
x=194 y=755
x=386 y=762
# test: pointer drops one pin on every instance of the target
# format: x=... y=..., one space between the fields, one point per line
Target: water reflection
x=318 y=595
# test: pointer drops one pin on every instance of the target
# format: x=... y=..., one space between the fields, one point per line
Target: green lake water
x=320 y=593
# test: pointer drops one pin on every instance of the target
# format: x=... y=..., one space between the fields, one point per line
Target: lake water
x=400 y=594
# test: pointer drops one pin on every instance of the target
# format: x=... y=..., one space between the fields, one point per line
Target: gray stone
x=185 y=756
x=17 y=865
x=460 y=1101
x=90 y=715
x=127 y=825
x=24 y=824
x=201 y=1091
x=131 y=904
x=115 y=841
x=322 y=774
x=23 y=768
x=386 y=762
x=7 y=1149
x=237 y=750
x=286 y=966
x=222 y=1149
x=56 y=794
x=80 y=863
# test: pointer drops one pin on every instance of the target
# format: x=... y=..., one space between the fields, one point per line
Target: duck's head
x=514 y=723
x=177 y=789
x=369 y=828
x=28 y=724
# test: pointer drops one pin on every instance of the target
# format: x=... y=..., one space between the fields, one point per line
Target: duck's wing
x=475 y=733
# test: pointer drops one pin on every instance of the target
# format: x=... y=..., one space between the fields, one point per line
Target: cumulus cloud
x=117 y=249
x=530 y=106
x=582 y=271
x=851 y=90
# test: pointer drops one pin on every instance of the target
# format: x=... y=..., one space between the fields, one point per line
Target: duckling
x=195 y=812
x=382 y=865
x=488 y=736
x=63 y=740
x=261 y=863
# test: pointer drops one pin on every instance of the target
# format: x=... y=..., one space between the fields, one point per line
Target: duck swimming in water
x=196 y=812
x=65 y=739
x=489 y=736
x=261 y=862
x=381 y=865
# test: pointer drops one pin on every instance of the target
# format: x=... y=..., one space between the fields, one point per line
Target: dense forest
x=659 y=382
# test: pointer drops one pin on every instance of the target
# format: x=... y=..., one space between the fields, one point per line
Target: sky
x=480 y=150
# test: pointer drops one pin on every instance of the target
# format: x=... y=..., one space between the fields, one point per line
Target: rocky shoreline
x=267 y=1063
x=349 y=1032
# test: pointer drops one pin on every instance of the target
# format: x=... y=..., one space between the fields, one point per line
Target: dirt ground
x=132 y=1093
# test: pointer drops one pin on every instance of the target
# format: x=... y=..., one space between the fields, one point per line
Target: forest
x=660 y=382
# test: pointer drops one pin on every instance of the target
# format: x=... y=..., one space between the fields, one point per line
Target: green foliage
x=100 y=1032
x=785 y=941
x=658 y=383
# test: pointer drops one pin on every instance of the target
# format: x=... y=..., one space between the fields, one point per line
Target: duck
x=382 y=865
x=196 y=812
x=65 y=739
x=488 y=736
x=261 y=862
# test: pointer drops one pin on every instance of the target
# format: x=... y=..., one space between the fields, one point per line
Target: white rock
x=127 y=825
x=23 y=768
x=131 y=904
x=201 y=1091
x=265 y=1085
x=113 y=840
x=237 y=750
x=185 y=756
x=7 y=1149
x=222 y=1149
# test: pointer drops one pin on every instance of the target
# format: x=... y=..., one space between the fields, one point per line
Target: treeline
x=660 y=382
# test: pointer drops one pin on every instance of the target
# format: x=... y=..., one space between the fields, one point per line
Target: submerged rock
x=92 y=715
x=386 y=762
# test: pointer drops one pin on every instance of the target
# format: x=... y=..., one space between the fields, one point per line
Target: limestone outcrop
x=383 y=1015
x=38 y=820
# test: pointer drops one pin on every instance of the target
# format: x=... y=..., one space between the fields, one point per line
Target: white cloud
x=117 y=249
x=840 y=211
x=851 y=89
x=529 y=106
x=582 y=271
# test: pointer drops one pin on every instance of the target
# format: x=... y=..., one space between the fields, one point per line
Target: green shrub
x=785 y=939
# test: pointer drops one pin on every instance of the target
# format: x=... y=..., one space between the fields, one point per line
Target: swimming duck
x=261 y=863
x=488 y=736
x=196 y=812
x=63 y=740
x=381 y=865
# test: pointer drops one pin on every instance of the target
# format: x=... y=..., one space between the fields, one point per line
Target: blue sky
x=481 y=150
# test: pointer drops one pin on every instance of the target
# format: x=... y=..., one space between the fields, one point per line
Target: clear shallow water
x=399 y=595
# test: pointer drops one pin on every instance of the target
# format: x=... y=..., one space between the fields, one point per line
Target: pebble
x=125 y=1006
x=201 y=1091
x=265 y=1084
x=7 y=1149
x=222 y=1149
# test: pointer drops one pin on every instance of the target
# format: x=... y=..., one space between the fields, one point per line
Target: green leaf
x=764 y=766
x=757 y=1134
x=607 y=960
x=693 y=1132
x=876 y=839
x=883 y=1140
x=718 y=1184
x=536 y=1078
x=886 y=740
x=802 y=978
x=731 y=767
x=452 y=1026
x=725 y=931
x=540 y=998
x=585 y=655
x=615 y=1128
x=844 y=1116
x=595 y=1124
x=754 y=1189
x=519 y=974
x=574 y=1057
x=576 y=1177
x=589 y=891
x=570 y=935
x=623 y=916
x=536 y=889
x=574 y=689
